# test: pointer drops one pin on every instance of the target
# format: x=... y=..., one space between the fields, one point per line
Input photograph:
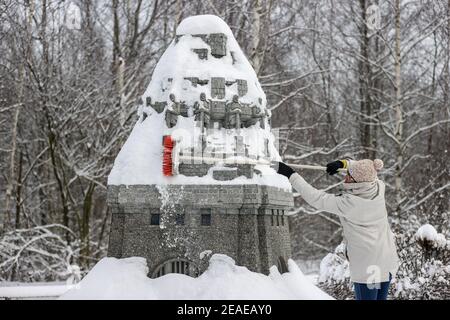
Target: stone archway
x=182 y=266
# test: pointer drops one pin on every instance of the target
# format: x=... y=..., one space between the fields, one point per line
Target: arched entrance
x=182 y=266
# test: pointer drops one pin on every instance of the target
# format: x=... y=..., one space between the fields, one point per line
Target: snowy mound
x=140 y=160
x=428 y=233
x=126 y=278
x=333 y=267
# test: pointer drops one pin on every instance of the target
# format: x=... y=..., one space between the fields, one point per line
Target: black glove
x=333 y=167
x=285 y=170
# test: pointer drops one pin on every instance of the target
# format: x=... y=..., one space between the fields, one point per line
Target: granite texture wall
x=243 y=224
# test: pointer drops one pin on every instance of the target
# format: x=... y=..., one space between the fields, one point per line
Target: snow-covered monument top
x=205 y=49
x=205 y=92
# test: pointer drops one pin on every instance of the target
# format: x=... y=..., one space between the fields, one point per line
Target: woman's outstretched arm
x=314 y=197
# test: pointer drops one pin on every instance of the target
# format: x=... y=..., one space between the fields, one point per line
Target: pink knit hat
x=364 y=170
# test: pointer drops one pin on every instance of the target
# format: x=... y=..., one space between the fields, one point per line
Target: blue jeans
x=374 y=291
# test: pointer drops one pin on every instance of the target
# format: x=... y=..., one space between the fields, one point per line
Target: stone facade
x=217 y=43
x=248 y=223
x=218 y=88
x=175 y=227
x=242 y=87
x=202 y=53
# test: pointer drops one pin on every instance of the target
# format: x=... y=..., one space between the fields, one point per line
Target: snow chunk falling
x=113 y=278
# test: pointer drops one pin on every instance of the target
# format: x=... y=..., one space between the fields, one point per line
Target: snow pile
x=427 y=233
x=140 y=160
x=425 y=269
x=334 y=267
x=127 y=278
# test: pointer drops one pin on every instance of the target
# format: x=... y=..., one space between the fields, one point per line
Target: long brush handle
x=225 y=160
x=310 y=167
x=251 y=161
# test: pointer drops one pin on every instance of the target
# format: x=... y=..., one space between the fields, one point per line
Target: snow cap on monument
x=201 y=36
x=202 y=70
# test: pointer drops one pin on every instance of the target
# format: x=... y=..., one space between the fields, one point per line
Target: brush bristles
x=168 y=145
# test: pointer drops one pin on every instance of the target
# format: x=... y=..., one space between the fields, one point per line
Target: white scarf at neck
x=366 y=190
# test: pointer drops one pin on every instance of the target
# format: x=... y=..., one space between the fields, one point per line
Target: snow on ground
x=334 y=267
x=14 y=290
x=140 y=161
x=127 y=278
x=309 y=266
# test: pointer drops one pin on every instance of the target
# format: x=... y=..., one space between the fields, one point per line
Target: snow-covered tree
x=343 y=78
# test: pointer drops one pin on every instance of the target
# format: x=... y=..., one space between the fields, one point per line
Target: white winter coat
x=362 y=211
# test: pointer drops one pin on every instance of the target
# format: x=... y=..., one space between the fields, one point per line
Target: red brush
x=167 y=165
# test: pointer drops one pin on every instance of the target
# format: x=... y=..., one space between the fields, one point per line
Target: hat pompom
x=378 y=164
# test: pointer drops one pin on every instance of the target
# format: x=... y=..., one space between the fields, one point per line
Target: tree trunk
x=178 y=16
x=85 y=226
x=12 y=161
x=20 y=95
x=398 y=107
x=364 y=88
x=19 y=190
x=256 y=36
x=117 y=52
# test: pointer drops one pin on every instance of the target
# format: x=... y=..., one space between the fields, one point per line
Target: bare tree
x=335 y=85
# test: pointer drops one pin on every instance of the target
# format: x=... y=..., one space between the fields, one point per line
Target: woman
x=370 y=244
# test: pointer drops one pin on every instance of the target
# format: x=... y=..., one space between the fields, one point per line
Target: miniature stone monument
x=207 y=95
